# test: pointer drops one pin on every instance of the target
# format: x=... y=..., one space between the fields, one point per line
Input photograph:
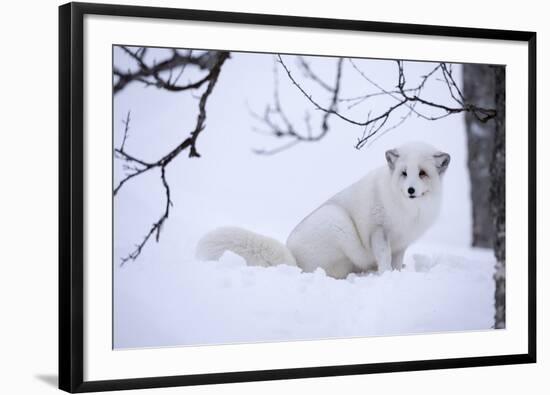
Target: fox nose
x=410 y=190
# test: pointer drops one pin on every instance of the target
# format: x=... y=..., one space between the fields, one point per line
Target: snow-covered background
x=167 y=298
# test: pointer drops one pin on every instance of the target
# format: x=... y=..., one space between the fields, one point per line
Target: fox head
x=416 y=169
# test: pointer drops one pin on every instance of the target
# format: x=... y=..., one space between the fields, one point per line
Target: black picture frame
x=71 y=195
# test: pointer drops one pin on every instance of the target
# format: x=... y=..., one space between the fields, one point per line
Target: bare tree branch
x=287 y=129
x=138 y=166
x=482 y=114
x=309 y=97
x=379 y=124
x=156 y=227
x=150 y=75
x=308 y=72
x=126 y=127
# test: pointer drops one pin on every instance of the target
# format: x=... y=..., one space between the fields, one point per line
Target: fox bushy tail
x=256 y=249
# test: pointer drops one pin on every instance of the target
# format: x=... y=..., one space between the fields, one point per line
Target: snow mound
x=192 y=303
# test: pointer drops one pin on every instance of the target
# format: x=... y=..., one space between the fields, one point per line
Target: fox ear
x=442 y=160
x=391 y=157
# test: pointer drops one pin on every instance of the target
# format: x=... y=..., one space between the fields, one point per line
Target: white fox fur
x=256 y=249
x=365 y=227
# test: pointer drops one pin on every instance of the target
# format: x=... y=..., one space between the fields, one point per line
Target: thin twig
x=139 y=166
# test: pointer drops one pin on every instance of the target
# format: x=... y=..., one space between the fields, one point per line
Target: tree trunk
x=479 y=88
x=485 y=86
x=498 y=197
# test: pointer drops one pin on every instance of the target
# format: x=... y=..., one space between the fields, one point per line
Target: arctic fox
x=366 y=227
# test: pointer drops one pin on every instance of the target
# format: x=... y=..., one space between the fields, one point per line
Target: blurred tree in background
x=485 y=85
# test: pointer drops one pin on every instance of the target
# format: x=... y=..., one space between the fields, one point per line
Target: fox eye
x=404 y=173
x=422 y=173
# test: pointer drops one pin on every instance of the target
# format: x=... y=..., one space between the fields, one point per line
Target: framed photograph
x=250 y=197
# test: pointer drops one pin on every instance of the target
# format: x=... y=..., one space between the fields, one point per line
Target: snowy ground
x=228 y=302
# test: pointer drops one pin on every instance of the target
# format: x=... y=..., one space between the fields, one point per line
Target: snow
x=440 y=289
x=166 y=298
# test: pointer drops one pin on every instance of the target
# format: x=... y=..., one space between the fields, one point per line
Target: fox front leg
x=381 y=250
x=397 y=260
